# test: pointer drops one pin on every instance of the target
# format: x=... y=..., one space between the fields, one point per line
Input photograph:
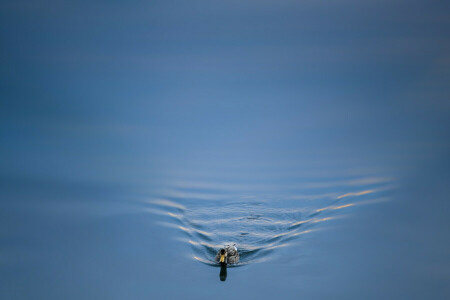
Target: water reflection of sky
x=136 y=138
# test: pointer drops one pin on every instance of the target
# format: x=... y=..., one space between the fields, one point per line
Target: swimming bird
x=228 y=255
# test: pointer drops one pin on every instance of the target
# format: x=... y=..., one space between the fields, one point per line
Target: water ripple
x=257 y=227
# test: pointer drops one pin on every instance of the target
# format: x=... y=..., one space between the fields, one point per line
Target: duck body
x=228 y=255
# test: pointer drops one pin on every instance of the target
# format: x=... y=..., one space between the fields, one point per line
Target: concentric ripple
x=256 y=223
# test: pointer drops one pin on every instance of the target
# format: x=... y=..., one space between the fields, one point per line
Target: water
x=210 y=214
x=311 y=235
x=137 y=140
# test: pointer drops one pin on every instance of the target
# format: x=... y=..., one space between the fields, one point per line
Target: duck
x=228 y=255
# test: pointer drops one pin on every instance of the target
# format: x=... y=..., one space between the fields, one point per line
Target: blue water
x=258 y=218
x=342 y=236
x=136 y=140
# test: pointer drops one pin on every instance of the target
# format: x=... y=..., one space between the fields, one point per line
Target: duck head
x=223 y=257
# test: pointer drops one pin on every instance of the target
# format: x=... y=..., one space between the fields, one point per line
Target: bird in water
x=227 y=255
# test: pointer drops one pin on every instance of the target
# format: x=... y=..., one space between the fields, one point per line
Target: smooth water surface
x=138 y=138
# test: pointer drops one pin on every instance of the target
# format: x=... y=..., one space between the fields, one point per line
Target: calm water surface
x=315 y=237
x=138 y=138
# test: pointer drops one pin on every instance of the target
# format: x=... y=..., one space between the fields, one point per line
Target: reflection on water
x=223 y=273
x=259 y=219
